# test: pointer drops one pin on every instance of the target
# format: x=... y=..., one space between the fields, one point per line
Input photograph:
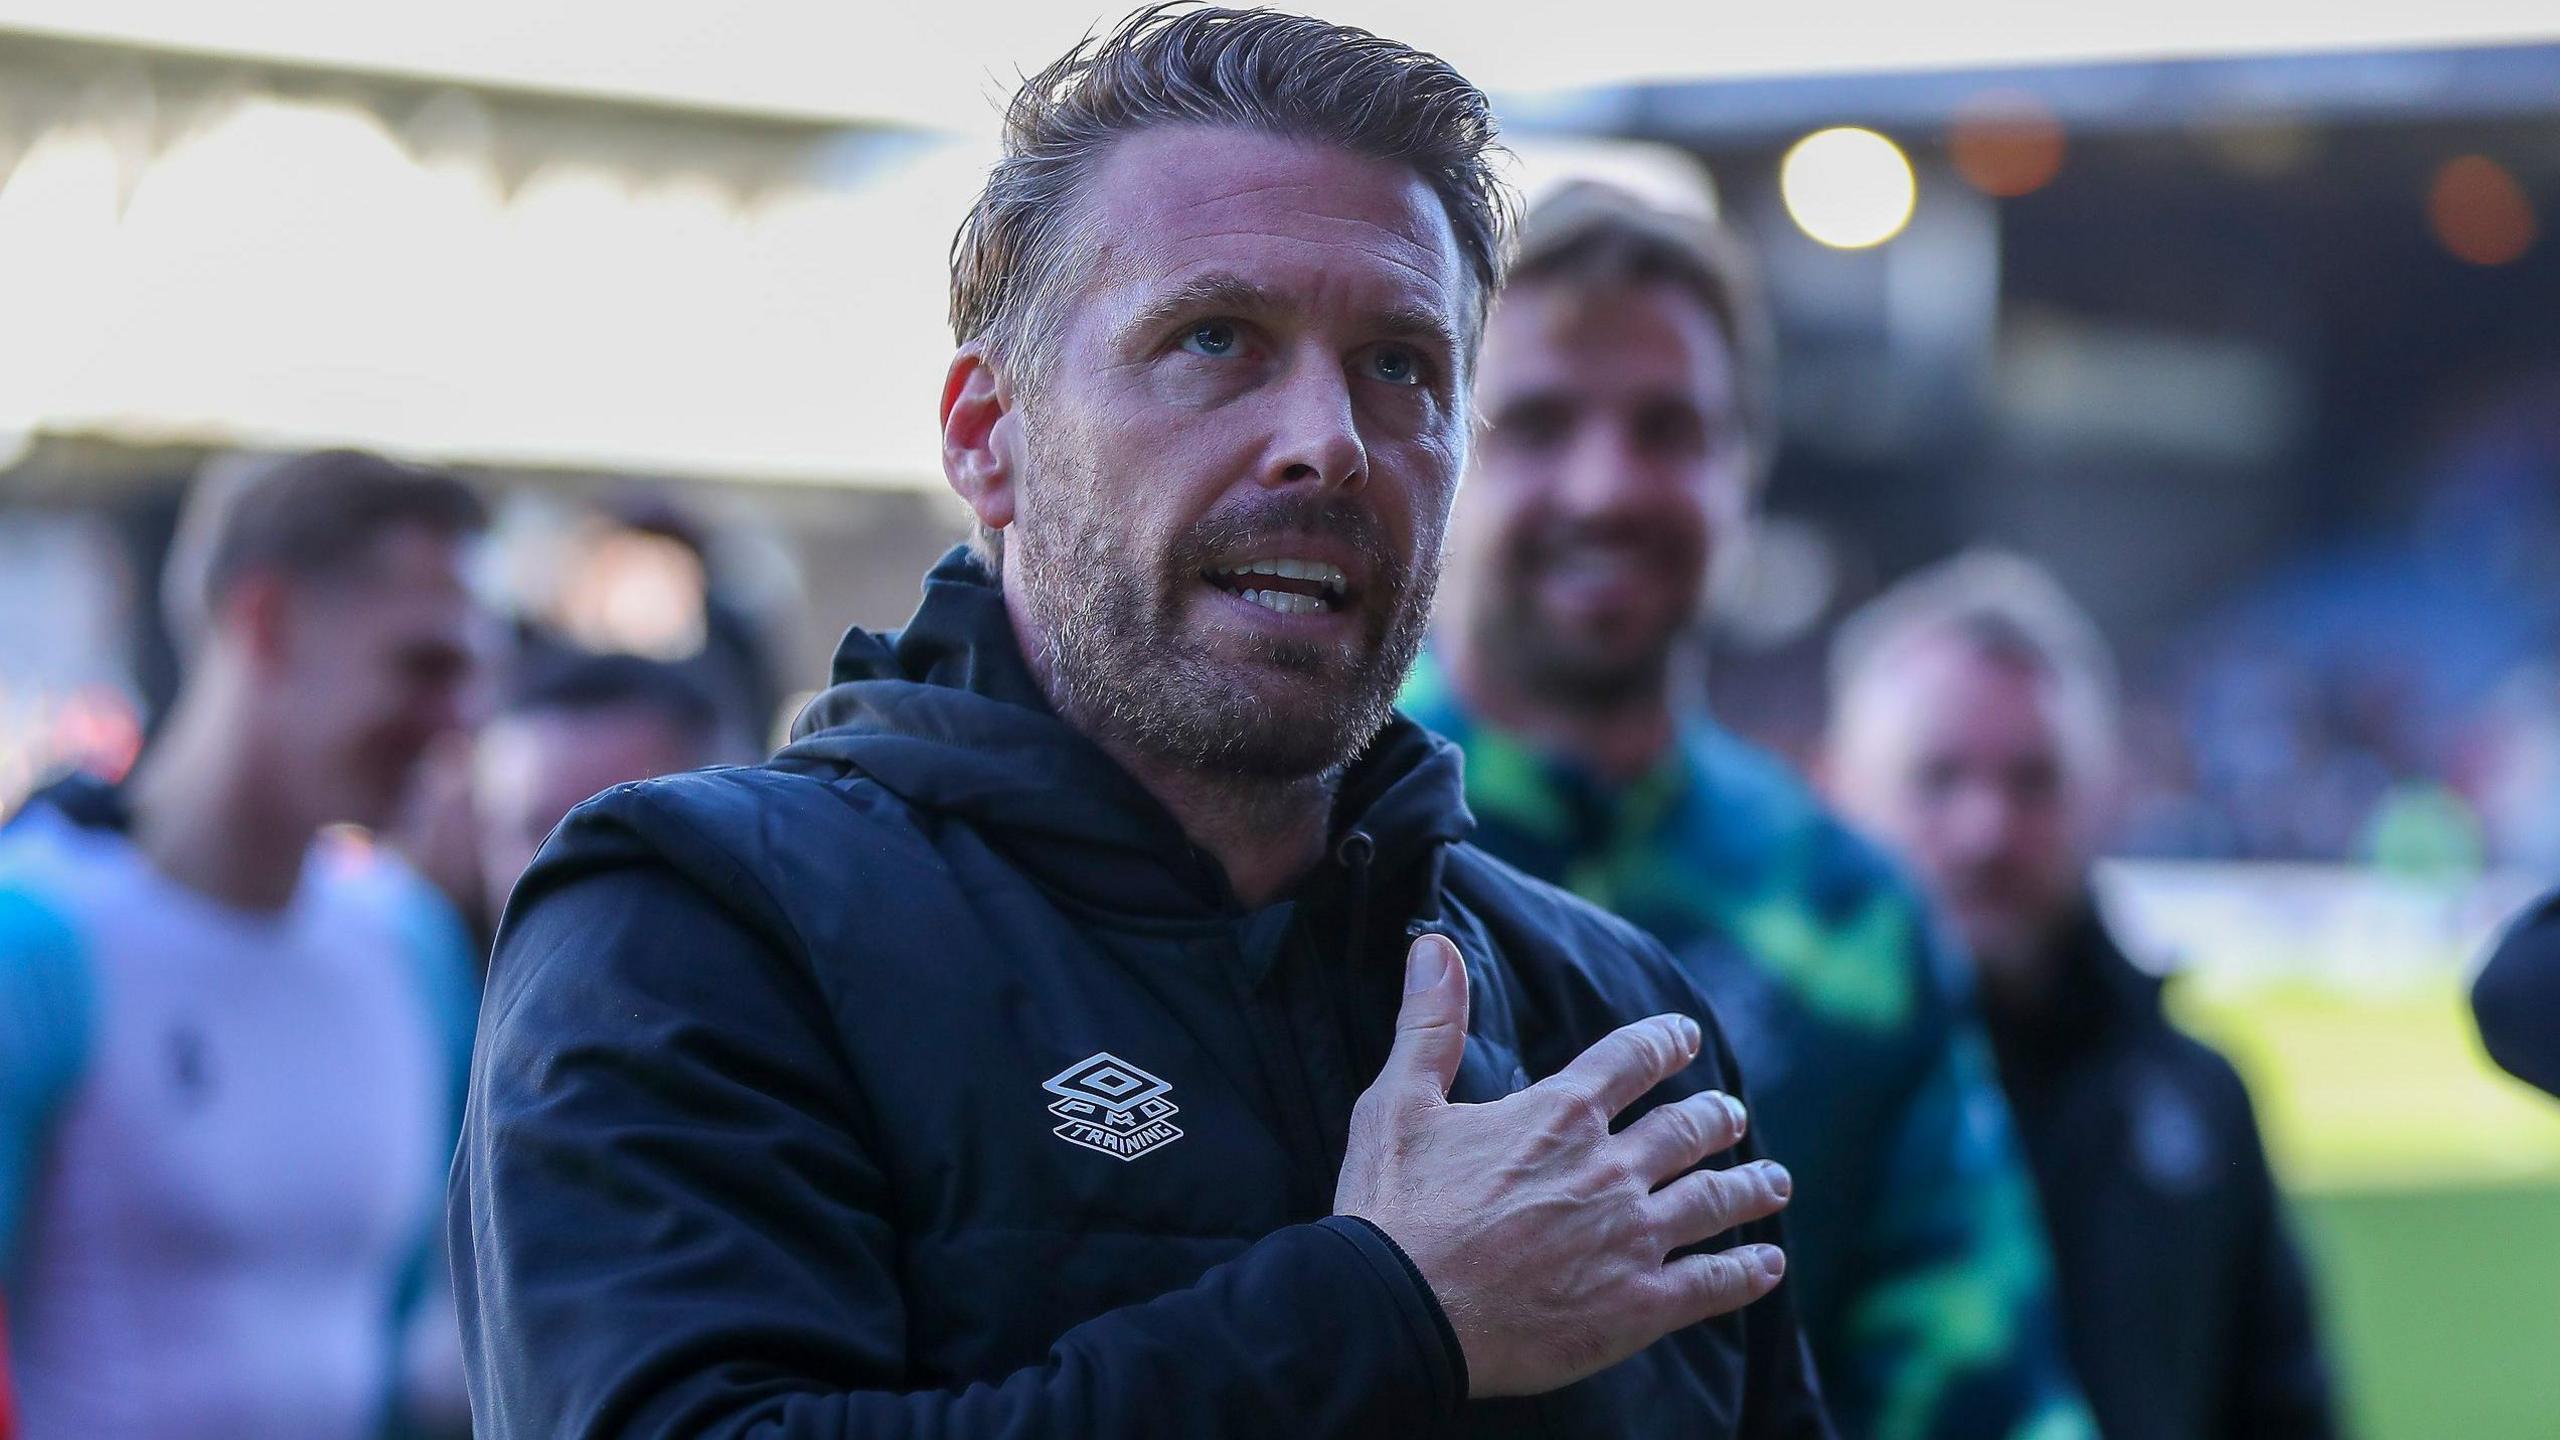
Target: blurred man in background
x=1625 y=382
x=636 y=637
x=576 y=727
x=1974 y=729
x=571 y=725
x=230 y=1044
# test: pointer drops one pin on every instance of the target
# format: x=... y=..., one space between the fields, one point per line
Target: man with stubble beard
x=1096 y=1022
x=1974 y=729
x=1625 y=387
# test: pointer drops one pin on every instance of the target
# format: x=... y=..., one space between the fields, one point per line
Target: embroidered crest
x=1110 y=1105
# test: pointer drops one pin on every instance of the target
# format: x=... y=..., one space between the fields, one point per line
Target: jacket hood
x=945 y=714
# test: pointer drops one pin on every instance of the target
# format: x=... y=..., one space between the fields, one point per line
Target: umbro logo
x=1112 y=1106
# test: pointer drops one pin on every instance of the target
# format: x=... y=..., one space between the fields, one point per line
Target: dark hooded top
x=2185 y=1303
x=2516 y=997
x=927 y=1080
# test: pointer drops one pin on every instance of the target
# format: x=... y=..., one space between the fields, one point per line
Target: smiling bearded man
x=1626 y=389
x=1095 y=1022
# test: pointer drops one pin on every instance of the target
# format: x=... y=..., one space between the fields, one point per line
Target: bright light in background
x=57 y=222
x=280 y=270
x=2479 y=213
x=950 y=66
x=287 y=272
x=1848 y=188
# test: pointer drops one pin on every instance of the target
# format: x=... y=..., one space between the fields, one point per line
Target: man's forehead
x=1935 y=678
x=1640 y=335
x=1175 y=201
x=412 y=612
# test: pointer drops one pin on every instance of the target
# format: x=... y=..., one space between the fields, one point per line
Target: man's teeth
x=1593 y=563
x=1287 y=602
x=1329 y=576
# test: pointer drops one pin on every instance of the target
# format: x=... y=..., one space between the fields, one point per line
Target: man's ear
x=256 y=610
x=979 y=436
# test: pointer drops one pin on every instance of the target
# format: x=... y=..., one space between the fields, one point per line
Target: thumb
x=1431 y=1027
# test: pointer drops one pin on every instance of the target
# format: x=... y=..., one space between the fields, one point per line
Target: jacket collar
x=2092 y=992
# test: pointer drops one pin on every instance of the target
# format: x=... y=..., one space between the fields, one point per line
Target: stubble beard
x=1108 y=630
x=1552 y=670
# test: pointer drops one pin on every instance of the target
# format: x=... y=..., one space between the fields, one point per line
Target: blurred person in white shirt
x=232 y=1034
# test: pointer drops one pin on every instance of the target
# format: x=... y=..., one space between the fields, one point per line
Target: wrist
x=1435 y=1336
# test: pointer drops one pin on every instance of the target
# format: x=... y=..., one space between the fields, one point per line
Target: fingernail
x=1425 y=963
x=1769 y=1260
x=1689 y=1034
x=1781 y=1184
x=1733 y=1110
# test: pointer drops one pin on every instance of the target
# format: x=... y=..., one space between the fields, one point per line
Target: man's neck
x=2013 y=996
x=1619 y=739
x=1265 y=835
x=201 y=818
x=2020 y=988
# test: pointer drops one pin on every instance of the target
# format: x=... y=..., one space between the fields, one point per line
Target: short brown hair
x=311 y=517
x=1999 y=604
x=1597 y=236
x=1261 y=70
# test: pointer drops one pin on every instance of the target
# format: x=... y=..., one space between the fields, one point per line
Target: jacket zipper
x=1336 y=983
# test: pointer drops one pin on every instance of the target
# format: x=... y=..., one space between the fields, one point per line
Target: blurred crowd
x=2380 y=696
x=2387 y=698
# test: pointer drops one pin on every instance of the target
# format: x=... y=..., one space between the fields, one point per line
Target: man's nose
x=1979 y=822
x=1600 y=473
x=1316 y=433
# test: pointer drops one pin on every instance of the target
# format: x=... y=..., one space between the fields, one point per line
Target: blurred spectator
x=1975 y=728
x=438 y=833
x=1625 y=381
x=2516 y=998
x=575 y=728
x=232 y=1038
x=572 y=725
x=632 y=577
x=639 y=576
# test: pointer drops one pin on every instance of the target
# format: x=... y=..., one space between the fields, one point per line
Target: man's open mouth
x=1286 y=586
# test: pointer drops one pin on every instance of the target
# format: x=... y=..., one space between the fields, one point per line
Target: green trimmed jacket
x=1917 y=1252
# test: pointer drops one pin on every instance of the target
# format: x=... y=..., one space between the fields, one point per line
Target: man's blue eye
x=1395 y=365
x=1214 y=338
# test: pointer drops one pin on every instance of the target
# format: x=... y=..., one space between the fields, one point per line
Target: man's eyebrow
x=1418 y=323
x=1202 y=294
x=1229 y=294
